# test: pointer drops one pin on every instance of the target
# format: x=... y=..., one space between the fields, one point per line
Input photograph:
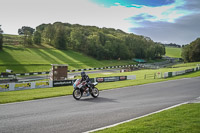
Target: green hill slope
x=20 y=59
x=12 y=39
x=173 y=52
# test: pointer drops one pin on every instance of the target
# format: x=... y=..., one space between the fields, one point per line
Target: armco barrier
x=27 y=85
x=170 y=74
x=50 y=83
x=111 y=79
x=98 y=79
x=100 y=68
x=189 y=70
x=180 y=72
x=62 y=83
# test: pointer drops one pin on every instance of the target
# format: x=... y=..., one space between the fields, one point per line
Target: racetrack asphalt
x=66 y=115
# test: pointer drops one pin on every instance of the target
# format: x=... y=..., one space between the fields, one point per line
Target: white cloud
x=167 y=13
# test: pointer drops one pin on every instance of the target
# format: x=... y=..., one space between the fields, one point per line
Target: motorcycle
x=81 y=89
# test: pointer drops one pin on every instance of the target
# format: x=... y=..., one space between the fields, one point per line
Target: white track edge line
x=113 y=125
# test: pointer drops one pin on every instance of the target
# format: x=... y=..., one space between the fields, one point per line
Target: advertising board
x=4 y=87
x=189 y=70
x=20 y=86
x=62 y=83
x=43 y=84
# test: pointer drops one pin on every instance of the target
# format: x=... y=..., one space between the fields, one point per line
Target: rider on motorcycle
x=85 y=78
x=85 y=87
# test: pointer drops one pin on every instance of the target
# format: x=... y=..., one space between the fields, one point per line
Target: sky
x=166 y=21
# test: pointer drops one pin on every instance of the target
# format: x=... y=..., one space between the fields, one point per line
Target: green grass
x=12 y=39
x=20 y=59
x=24 y=95
x=35 y=58
x=173 y=52
x=182 y=119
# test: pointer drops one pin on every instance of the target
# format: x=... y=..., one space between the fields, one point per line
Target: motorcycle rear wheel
x=95 y=92
x=77 y=94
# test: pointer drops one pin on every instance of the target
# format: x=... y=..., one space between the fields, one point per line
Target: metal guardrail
x=76 y=70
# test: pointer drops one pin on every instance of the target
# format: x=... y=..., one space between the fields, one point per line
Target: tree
x=108 y=50
x=27 y=32
x=60 y=38
x=77 y=39
x=37 y=38
x=185 y=53
x=191 y=52
x=1 y=38
x=49 y=33
x=41 y=27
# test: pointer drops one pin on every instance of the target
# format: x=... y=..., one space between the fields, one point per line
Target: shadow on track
x=98 y=100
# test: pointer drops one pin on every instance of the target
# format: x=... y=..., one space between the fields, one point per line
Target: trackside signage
x=20 y=86
x=66 y=82
x=111 y=79
x=122 y=77
x=189 y=70
x=4 y=87
x=44 y=84
x=100 y=79
x=24 y=86
x=170 y=74
x=62 y=83
x=50 y=83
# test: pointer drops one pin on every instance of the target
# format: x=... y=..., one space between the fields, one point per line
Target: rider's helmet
x=83 y=74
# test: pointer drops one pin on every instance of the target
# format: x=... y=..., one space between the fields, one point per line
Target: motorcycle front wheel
x=95 y=92
x=77 y=94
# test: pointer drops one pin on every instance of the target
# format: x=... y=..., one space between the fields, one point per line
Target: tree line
x=100 y=43
x=191 y=52
x=173 y=45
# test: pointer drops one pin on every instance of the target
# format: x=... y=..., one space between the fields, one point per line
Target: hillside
x=34 y=58
x=173 y=52
x=12 y=39
x=20 y=59
x=97 y=47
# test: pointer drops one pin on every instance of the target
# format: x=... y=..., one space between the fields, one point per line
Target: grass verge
x=182 y=119
x=173 y=52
